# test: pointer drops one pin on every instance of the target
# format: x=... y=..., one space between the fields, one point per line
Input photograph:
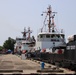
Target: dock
x=13 y=64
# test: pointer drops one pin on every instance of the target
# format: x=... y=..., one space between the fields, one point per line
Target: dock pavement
x=13 y=64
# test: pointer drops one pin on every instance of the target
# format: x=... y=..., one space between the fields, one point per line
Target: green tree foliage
x=9 y=44
x=1 y=47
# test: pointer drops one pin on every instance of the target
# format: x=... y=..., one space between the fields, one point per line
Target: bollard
x=42 y=65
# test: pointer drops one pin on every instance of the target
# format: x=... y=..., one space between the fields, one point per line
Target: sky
x=17 y=14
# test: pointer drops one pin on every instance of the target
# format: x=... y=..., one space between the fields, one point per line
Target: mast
x=51 y=18
x=50 y=15
x=29 y=32
x=24 y=33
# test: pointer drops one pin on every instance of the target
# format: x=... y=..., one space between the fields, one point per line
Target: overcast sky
x=17 y=14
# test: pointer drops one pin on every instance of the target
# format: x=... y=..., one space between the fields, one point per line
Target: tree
x=1 y=47
x=9 y=44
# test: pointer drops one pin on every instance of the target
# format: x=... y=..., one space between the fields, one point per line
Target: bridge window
x=47 y=36
x=41 y=36
x=52 y=36
x=62 y=36
x=58 y=36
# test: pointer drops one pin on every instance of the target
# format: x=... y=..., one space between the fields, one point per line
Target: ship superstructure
x=26 y=42
x=49 y=37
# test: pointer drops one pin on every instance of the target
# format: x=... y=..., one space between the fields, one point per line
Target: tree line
x=8 y=44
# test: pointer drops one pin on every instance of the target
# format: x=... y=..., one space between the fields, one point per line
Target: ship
x=49 y=37
x=26 y=43
x=70 y=52
x=50 y=42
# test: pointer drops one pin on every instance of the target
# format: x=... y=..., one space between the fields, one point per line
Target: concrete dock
x=12 y=64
